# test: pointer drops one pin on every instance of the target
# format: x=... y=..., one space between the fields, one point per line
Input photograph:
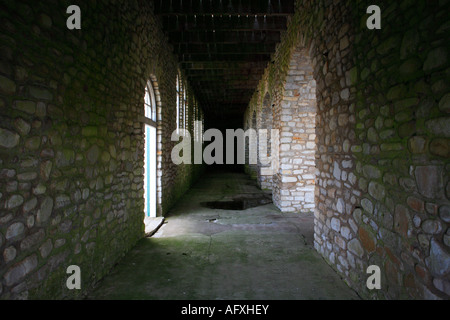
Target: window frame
x=180 y=92
x=150 y=106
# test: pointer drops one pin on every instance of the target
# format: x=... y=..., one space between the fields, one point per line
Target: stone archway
x=157 y=123
x=252 y=149
x=295 y=117
x=266 y=168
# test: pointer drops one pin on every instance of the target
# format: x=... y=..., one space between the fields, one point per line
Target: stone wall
x=382 y=139
x=71 y=140
x=295 y=118
x=291 y=111
x=401 y=77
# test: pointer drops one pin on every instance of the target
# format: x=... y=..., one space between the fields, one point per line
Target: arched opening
x=266 y=157
x=152 y=152
x=253 y=149
x=294 y=181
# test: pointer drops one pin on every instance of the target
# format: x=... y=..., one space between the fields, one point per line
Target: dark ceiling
x=224 y=47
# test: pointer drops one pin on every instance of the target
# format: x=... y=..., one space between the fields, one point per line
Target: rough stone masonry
x=377 y=160
x=72 y=142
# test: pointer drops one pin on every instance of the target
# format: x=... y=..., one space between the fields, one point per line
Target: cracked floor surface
x=213 y=254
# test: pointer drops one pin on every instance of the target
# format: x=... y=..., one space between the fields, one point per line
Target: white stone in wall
x=285 y=147
x=308 y=177
x=335 y=224
x=337 y=171
x=288 y=179
x=266 y=171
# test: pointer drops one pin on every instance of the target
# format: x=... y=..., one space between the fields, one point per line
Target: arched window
x=185 y=109
x=179 y=92
x=151 y=183
x=150 y=102
x=202 y=119
x=182 y=104
x=195 y=119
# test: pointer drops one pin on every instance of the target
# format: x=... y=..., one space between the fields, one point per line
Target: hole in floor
x=240 y=202
x=224 y=205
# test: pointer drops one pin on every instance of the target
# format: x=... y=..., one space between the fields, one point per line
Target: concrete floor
x=212 y=254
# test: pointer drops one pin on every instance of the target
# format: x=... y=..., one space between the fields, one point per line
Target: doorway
x=150 y=153
x=150 y=175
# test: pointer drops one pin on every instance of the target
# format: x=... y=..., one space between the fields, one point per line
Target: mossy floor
x=210 y=254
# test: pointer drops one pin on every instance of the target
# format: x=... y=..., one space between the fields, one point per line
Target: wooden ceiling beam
x=220 y=66
x=223 y=23
x=230 y=7
x=226 y=79
x=224 y=46
x=224 y=73
x=220 y=48
x=232 y=37
x=224 y=57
